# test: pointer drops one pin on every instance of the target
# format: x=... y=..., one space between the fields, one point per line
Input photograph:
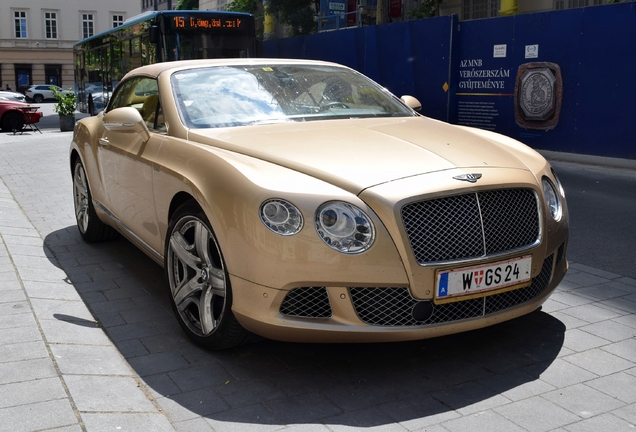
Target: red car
x=14 y=115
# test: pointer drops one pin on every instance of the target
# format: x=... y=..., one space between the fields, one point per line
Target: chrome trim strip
x=156 y=255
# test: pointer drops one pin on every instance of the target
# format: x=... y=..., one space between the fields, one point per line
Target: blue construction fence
x=467 y=72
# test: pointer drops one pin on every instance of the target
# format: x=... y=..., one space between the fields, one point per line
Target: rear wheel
x=38 y=98
x=90 y=227
x=199 y=285
x=12 y=121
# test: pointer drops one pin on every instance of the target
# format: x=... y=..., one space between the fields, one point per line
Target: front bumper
x=381 y=314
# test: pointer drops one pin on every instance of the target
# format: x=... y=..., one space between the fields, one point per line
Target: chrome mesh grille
x=307 y=302
x=394 y=306
x=471 y=225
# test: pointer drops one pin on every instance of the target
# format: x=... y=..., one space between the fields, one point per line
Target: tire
x=199 y=285
x=38 y=98
x=90 y=227
x=12 y=121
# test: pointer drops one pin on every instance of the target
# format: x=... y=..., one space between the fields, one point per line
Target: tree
x=426 y=9
x=298 y=15
x=187 y=5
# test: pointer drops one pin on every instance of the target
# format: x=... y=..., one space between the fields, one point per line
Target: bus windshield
x=102 y=60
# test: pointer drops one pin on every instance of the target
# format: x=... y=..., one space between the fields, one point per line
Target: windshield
x=242 y=95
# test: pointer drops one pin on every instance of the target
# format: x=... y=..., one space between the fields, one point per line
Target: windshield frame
x=241 y=95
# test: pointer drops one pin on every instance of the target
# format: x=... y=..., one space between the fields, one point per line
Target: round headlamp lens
x=281 y=217
x=344 y=227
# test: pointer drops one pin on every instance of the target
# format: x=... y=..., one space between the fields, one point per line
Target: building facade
x=36 y=37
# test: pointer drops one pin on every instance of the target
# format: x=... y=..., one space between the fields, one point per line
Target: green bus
x=101 y=61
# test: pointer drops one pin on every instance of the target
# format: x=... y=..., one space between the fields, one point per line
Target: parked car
x=12 y=96
x=41 y=92
x=301 y=201
x=14 y=115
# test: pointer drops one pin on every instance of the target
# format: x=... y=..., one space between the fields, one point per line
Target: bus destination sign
x=191 y=23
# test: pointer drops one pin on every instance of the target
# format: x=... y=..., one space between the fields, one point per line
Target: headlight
x=344 y=227
x=281 y=217
x=558 y=183
x=551 y=199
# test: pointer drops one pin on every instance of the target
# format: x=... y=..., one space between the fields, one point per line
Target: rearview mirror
x=126 y=120
x=411 y=102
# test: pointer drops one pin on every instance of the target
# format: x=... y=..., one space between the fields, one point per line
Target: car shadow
x=275 y=383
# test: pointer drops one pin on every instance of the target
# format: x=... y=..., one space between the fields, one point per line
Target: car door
x=126 y=164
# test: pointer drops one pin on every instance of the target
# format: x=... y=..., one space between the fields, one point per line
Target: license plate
x=474 y=281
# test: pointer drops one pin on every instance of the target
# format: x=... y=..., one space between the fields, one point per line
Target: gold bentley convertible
x=301 y=201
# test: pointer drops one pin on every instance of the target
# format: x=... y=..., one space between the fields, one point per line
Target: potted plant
x=65 y=107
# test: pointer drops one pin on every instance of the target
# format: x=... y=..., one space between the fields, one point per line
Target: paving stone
x=469 y=398
x=37 y=416
x=197 y=424
x=482 y=421
x=32 y=391
x=605 y=422
x=13 y=335
x=625 y=349
x=73 y=332
x=583 y=401
x=46 y=309
x=18 y=351
x=591 y=313
x=537 y=414
x=153 y=364
x=303 y=408
x=106 y=422
x=610 y=330
x=254 y=418
x=369 y=419
x=108 y=394
x=620 y=385
x=585 y=279
x=516 y=385
x=578 y=340
x=90 y=360
x=627 y=413
x=594 y=271
x=186 y=406
x=17 y=320
x=52 y=291
x=560 y=373
x=599 y=362
x=415 y=414
x=26 y=370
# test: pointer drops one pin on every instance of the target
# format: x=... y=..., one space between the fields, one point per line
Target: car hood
x=356 y=154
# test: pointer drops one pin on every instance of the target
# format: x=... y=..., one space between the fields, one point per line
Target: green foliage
x=66 y=103
x=187 y=5
x=298 y=15
x=249 y=6
x=426 y=9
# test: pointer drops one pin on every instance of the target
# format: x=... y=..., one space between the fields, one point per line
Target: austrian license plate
x=459 y=284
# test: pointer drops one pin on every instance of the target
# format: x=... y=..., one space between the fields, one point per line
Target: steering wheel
x=334 y=104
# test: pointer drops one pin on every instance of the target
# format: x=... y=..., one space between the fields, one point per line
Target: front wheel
x=90 y=227
x=200 y=290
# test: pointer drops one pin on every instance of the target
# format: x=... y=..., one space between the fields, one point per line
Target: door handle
x=104 y=142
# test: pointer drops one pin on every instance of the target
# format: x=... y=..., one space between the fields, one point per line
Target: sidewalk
x=87 y=342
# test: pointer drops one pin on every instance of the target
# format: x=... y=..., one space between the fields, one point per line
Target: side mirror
x=411 y=102
x=126 y=120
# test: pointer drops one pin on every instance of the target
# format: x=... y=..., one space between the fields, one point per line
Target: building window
x=88 y=25
x=570 y=4
x=20 y=22
x=117 y=20
x=475 y=9
x=50 y=25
